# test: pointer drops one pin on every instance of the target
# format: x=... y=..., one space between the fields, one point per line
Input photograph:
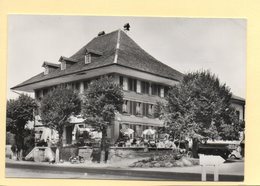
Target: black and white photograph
x=126 y=98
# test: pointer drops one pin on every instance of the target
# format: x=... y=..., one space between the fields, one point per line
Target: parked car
x=236 y=154
x=220 y=149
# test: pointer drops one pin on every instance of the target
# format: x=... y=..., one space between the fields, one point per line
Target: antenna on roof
x=126 y=27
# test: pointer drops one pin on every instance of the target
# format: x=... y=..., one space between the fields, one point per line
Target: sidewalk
x=231 y=168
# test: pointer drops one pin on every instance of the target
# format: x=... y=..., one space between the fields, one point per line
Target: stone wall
x=115 y=153
x=67 y=152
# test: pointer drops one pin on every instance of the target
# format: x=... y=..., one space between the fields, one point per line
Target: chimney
x=101 y=33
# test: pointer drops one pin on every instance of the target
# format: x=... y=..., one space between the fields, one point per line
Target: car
x=216 y=149
x=236 y=153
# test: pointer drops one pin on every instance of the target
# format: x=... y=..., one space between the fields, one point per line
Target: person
x=134 y=142
x=141 y=143
x=160 y=144
x=173 y=146
x=151 y=143
x=167 y=143
x=128 y=143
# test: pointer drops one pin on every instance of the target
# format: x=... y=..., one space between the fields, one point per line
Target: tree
x=57 y=106
x=102 y=100
x=19 y=112
x=199 y=106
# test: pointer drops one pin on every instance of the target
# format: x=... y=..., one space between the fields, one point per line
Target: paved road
x=55 y=171
x=32 y=173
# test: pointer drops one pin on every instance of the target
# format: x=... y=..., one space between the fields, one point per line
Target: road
x=19 y=170
x=32 y=173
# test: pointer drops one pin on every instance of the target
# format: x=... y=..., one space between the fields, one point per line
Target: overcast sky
x=185 y=44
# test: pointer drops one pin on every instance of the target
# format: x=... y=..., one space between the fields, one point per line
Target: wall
x=239 y=108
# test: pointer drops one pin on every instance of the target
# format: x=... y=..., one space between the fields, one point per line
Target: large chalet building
x=144 y=79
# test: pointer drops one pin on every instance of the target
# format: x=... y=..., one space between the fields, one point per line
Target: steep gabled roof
x=132 y=55
x=115 y=48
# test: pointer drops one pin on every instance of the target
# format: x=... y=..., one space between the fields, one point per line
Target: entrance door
x=69 y=130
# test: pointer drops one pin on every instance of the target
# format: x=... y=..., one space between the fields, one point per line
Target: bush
x=28 y=142
x=167 y=160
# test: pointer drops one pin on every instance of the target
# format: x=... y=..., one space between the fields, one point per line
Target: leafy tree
x=57 y=106
x=102 y=99
x=199 y=106
x=19 y=112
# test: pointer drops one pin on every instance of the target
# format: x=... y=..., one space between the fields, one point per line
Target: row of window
x=76 y=86
x=137 y=108
x=127 y=83
x=143 y=87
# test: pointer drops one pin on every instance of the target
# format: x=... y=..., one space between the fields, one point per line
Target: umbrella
x=127 y=131
x=149 y=132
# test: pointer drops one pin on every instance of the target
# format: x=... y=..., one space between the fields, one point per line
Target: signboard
x=210 y=160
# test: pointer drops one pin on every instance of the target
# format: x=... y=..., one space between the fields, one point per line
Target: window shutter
x=134 y=84
x=134 y=108
x=144 y=109
x=162 y=91
x=128 y=107
x=125 y=83
x=138 y=86
x=131 y=107
x=121 y=81
x=147 y=109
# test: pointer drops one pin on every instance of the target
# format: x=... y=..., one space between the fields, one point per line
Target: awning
x=149 y=132
x=127 y=131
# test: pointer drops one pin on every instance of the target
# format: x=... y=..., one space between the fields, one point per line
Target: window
x=46 y=70
x=124 y=109
x=132 y=107
x=86 y=84
x=76 y=86
x=156 y=89
x=45 y=91
x=87 y=58
x=138 y=108
x=238 y=114
x=123 y=82
x=145 y=87
x=138 y=130
x=166 y=90
x=132 y=84
x=38 y=94
x=150 y=110
x=145 y=109
x=63 y=65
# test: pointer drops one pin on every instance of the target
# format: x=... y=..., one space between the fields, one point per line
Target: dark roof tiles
x=129 y=55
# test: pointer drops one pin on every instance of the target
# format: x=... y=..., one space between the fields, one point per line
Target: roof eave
x=18 y=87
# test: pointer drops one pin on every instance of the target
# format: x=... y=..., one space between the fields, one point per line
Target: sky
x=185 y=44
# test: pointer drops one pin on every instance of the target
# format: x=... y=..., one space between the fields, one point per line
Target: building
x=239 y=104
x=144 y=79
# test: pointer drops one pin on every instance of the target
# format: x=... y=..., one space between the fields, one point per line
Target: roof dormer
x=49 y=67
x=66 y=62
x=91 y=53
